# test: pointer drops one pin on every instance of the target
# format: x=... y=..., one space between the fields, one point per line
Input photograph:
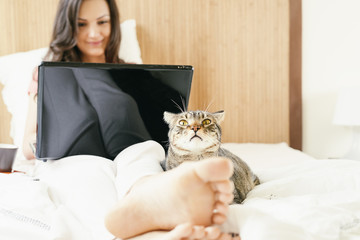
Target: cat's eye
x=183 y=123
x=206 y=122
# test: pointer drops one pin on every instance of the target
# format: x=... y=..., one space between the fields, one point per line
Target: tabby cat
x=196 y=135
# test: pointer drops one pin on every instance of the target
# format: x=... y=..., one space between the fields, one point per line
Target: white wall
x=331 y=61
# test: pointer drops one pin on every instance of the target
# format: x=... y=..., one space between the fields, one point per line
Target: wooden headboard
x=246 y=55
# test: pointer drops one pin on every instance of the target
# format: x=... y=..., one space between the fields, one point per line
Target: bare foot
x=194 y=192
x=187 y=232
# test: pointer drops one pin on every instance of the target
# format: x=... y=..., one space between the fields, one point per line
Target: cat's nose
x=195 y=128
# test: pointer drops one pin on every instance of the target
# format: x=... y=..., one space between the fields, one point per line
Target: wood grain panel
x=26 y=24
x=240 y=52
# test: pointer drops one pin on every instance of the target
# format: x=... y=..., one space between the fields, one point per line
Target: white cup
x=7 y=156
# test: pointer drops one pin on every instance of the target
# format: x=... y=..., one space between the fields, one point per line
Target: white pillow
x=129 y=47
x=16 y=73
x=267 y=156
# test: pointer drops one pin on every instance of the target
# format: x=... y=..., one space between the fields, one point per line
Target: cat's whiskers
x=207 y=108
x=183 y=103
x=183 y=108
x=178 y=106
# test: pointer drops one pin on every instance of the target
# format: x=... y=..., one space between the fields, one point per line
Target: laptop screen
x=100 y=109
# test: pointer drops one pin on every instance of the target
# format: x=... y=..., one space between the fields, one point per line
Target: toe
x=212 y=232
x=223 y=186
x=218 y=218
x=224 y=197
x=224 y=236
x=222 y=208
x=214 y=169
x=198 y=232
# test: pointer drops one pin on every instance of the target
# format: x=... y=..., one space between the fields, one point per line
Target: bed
x=247 y=61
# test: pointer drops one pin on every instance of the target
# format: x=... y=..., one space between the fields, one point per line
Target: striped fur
x=196 y=135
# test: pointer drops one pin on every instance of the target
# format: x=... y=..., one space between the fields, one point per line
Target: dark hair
x=63 y=43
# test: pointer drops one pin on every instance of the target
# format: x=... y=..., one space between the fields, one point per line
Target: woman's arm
x=29 y=141
x=30 y=127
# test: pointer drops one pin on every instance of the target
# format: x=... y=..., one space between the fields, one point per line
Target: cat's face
x=194 y=131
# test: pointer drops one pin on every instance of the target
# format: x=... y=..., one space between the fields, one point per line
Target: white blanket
x=299 y=197
x=68 y=203
x=313 y=200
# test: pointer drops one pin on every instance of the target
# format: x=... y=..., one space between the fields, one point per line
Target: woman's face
x=94 y=30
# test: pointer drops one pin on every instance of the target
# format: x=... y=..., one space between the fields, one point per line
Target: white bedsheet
x=299 y=197
x=312 y=200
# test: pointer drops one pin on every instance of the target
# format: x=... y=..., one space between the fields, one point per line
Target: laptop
x=100 y=109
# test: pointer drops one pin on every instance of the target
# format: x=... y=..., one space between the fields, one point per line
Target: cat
x=196 y=135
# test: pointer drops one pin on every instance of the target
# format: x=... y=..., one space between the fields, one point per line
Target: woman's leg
x=135 y=162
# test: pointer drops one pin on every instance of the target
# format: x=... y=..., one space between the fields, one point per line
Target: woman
x=95 y=38
x=88 y=31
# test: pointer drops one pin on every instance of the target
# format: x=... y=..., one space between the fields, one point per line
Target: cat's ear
x=219 y=116
x=168 y=117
